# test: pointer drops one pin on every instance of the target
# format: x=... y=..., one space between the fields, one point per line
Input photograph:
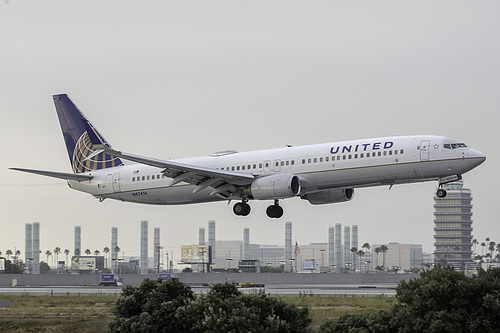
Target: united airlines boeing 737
x=322 y=173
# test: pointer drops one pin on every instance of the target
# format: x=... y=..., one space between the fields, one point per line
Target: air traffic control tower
x=453 y=225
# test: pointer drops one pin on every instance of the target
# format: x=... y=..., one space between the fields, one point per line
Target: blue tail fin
x=74 y=126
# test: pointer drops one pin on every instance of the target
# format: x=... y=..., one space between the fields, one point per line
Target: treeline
x=440 y=300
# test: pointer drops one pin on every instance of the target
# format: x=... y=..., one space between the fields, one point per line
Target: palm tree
x=66 y=252
x=17 y=253
x=491 y=247
x=367 y=247
x=106 y=251
x=483 y=245
x=116 y=249
x=498 y=250
x=8 y=253
x=48 y=254
x=475 y=242
x=77 y=252
x=360 y=254
x=97 y=252
x=377 y=251
x=57 y=250
x=353 y=250
x=88 y=252
x=383 y=249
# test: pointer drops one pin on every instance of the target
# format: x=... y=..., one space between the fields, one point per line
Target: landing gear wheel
x=441 y=193
x=241 y=209
x=274 y=211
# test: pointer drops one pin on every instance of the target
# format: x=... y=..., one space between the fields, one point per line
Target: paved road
x=278 y=289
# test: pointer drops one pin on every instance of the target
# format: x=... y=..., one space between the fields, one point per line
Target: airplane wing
x=60 y=175
x=223 y=182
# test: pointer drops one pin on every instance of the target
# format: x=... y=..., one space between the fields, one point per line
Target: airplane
x=320 y=173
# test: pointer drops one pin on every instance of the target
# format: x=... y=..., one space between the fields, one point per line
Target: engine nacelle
x=277 y=186
x=329 y=196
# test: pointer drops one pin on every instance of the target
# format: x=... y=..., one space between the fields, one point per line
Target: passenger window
x=355 y=155
x=309 y=160
x=148 y=177
x=267 y=164
x=232 y=168
x=350 y=156
x=395 y=152
x=255 y=166
x=374 y=154
x=390 y=152
x=361 y=156
x=327 y=159
x=243 y=167
x=249 y=167
x=379 y=154
x=293 y=162
x=303 y=161
x=315 y=160
x=238 y=168
x=385 y=152
x=133 y=179
x=321 y=159
x=402 y=151
x=260 y=165
x=344 y=157
x=143 y=178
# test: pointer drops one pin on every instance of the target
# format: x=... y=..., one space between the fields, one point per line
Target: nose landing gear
x=441 y=193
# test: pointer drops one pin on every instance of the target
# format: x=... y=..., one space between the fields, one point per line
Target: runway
x=276 y=289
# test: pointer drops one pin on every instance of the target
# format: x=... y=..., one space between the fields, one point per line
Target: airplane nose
x=476 y=157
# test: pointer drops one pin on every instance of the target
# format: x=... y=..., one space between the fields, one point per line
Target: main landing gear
x=243 y=209
x=274 y=211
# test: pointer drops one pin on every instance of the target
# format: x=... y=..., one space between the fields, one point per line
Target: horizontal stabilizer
x=60 y=175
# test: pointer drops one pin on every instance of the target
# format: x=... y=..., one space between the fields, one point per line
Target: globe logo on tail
x=83 y=149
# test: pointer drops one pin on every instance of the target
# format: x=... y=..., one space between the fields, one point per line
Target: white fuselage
x=320 y=167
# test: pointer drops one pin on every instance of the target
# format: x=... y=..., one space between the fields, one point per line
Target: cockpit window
x=454 y=145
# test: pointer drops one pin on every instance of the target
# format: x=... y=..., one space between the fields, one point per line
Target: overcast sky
x=173 y=79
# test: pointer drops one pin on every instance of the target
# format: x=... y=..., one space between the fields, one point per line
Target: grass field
x=29 y=313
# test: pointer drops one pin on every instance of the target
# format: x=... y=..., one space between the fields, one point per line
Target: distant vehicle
x=165 y=276
x=321 y=174
x=109 y=280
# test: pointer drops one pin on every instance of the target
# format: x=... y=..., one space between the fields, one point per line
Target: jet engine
x=329 y=196
x=277 y=186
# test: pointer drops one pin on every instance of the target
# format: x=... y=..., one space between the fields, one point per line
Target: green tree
x=88 y=252
x=106 y=251
x=44 y=267
x=383 y=249
x=48 y=254
x=8 y=253
x=151 y=307
x=377 y=251
x=353 y=250
x=440 y=300
x=11 y=268
x=57 y=251
x=360 y=254
x=66 y=252
x=170 y=306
